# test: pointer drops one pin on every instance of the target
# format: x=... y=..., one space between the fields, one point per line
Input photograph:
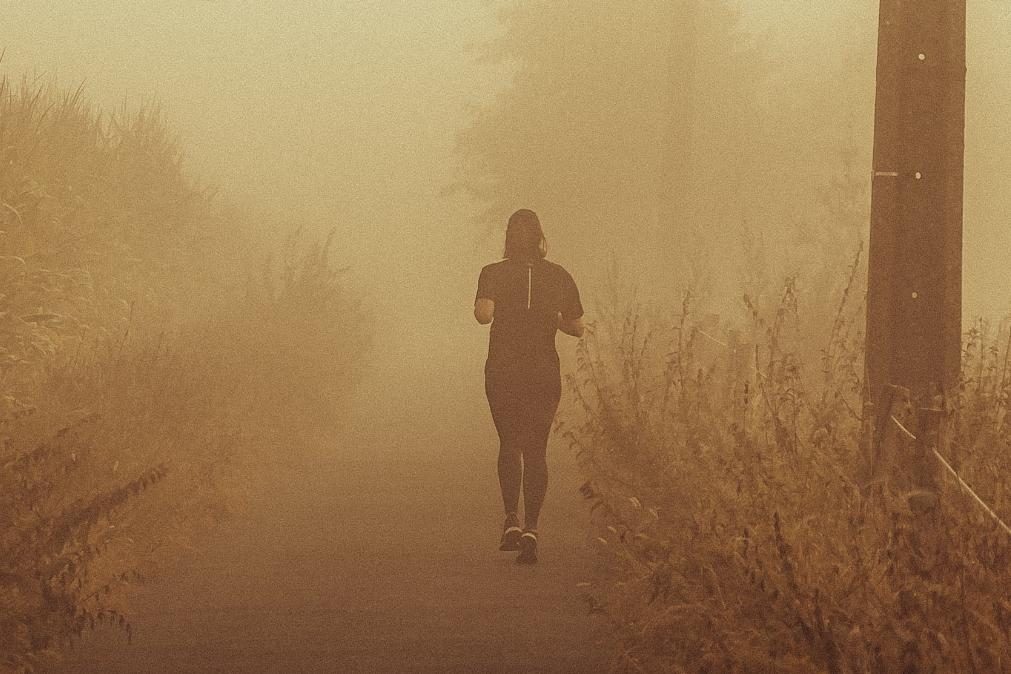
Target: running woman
x=527 y=299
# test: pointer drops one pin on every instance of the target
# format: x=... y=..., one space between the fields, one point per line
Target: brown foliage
x=143 y=366
x=745 y=524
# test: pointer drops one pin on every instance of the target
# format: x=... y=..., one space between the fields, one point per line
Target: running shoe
x=510 y=535
x=528 y=548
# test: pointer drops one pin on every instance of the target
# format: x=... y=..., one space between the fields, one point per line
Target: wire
x=965 y=485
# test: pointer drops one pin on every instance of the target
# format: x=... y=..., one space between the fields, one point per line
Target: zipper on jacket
x=530 y=273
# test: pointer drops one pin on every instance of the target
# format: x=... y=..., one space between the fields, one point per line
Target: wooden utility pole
x=914 y=298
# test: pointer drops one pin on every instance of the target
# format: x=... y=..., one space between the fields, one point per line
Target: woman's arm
x=573 y=327
x=484 y=310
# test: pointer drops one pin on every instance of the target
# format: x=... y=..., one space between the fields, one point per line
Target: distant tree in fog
x=622 y=117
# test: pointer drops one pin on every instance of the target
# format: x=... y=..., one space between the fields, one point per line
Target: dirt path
x=384 y=562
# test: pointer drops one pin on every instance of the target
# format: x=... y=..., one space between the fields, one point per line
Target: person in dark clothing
x=527 y=299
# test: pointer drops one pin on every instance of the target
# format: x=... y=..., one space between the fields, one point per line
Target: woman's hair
x=524 y=237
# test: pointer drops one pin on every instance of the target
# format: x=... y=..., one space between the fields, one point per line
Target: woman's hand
x=573 y=327
x=484 y=310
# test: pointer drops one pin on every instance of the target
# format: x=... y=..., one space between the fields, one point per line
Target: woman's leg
x=540 y=409
x=506 y=412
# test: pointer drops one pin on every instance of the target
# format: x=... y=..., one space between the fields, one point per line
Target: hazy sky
x=343 y=113
x=339 y=113
x=337 y=109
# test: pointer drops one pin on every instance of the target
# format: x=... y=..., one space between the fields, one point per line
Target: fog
x=332 y=115
x=413 y=128
x=346 y=114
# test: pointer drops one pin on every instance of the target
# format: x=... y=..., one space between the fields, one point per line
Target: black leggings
x=523 y=416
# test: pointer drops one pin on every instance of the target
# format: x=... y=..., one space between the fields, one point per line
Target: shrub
x=748 y=521
x=143 y=367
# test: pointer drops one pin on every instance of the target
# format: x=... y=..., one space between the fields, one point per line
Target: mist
x=347 y=116
x=409 y=131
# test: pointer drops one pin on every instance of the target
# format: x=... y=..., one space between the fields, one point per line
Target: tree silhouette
x=636 y=117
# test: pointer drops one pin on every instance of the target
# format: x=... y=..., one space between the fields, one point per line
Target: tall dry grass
x=747 y=520
x=149 y=357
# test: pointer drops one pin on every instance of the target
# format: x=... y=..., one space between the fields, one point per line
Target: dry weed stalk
x=743 y=525
x=133 y=377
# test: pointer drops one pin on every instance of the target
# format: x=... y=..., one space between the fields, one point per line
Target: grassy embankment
x=148 y=356
x=751 y=522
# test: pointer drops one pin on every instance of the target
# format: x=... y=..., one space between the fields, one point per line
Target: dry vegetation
x=751 y=520
x=148 y=355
